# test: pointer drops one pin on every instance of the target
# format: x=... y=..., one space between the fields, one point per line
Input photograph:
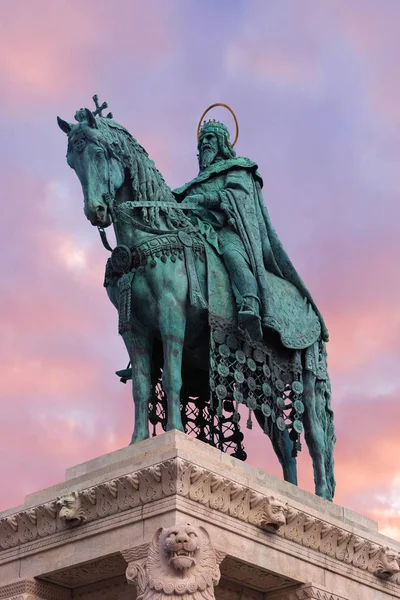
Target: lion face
x=69 y=507
x=180 y=545
x=274 y=514
x=388 y=563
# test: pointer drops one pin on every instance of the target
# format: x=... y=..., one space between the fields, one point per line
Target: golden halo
x=232 y=113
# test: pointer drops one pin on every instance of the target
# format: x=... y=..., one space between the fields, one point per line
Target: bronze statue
x=212 y=311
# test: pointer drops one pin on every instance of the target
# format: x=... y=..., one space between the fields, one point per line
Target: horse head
x=101 y=174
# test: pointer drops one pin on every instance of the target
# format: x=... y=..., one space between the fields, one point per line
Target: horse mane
x=146 y=180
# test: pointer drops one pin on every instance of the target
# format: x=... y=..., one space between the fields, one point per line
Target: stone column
x=30 y=589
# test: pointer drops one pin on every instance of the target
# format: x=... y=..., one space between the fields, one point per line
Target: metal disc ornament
x=224 y=350
x=259 y=356
x=121 y=258
x=266 y=388
x=219 y=336
x=185 y=238
x=298 y=406
x=240 y=356
x=232 y=342
x=251 y=382
x=223 y=370
x=251 y=364
x=297 y=426
x=238 y=375
x=267 y=371
x=280 y=403
x=221 y=391
x=280 y=423
x=297 y=387
x=266 y=410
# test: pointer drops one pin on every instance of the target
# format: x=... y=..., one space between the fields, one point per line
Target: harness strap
x=104 y=239
x=156 y=204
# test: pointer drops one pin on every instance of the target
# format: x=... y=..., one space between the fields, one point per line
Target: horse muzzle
x=99 y=216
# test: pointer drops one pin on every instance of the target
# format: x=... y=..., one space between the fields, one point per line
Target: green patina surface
x=206 y=292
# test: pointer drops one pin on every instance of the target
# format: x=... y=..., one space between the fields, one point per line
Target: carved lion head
x=274 y=513
x=70 y=508
x=181 y=560
x=180 y=546
x=387 y=563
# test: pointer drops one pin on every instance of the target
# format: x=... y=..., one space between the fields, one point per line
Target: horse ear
x=64 y=125
x=91 y=119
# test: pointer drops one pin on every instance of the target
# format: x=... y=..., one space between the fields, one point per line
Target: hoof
x=324 y=492
x=138 y=438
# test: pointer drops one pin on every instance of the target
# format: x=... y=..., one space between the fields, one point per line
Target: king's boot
x=249 y=317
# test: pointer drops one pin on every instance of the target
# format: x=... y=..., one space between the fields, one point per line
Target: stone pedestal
x=87 y=537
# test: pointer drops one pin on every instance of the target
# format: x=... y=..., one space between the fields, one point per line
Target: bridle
x=137 y=224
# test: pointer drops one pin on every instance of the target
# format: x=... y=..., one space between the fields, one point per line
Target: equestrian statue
x=217 y=322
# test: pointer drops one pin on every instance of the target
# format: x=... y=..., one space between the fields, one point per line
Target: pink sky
x=317 y=93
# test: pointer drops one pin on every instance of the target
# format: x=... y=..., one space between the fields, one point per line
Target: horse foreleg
x=172 y=334
x=140 y=354
x=315 y=436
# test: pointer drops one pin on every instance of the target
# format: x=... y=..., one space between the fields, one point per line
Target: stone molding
x=29 y=589
x=183 y=478
x=255 y=578
x=106 y=590
x=88 y=573
x=307 y=591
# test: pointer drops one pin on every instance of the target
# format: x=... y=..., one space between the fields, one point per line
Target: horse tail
x=323 y=396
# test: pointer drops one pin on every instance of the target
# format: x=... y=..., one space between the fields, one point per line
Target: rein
x=146 y=228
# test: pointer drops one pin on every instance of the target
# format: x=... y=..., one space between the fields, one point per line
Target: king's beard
x=207 y=157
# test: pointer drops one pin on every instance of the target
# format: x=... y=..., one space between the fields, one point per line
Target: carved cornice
x=183 y=478
x=29 y=589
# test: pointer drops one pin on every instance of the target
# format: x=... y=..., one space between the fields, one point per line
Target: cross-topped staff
x=99 y=109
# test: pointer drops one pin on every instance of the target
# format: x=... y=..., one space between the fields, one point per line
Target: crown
x=213 y=125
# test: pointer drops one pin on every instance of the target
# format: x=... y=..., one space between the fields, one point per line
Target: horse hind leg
x=282 y=445
x=315 y=436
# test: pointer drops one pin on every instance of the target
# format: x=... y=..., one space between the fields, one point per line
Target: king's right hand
x=194 y=199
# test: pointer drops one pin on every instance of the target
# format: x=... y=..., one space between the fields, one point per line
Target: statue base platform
x=274 y=540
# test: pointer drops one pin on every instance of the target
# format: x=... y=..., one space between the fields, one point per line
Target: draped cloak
x=286 y=305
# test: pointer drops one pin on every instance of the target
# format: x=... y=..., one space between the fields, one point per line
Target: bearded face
x=208 y=150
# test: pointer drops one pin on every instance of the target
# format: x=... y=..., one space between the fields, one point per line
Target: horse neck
x=130 y=225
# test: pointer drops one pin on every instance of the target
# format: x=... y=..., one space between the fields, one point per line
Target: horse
x=155 y=244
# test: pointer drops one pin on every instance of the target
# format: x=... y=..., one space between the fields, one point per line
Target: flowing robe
x=234 y=203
